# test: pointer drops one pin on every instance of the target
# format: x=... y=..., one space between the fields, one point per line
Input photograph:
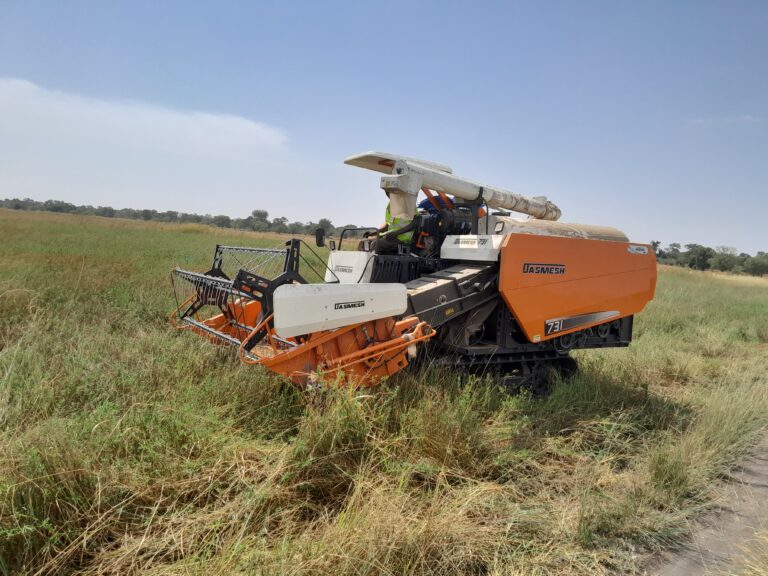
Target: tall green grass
x=128 y=448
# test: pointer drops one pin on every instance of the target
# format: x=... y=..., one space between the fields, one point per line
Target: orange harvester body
x=475 y=288
x=592 y=277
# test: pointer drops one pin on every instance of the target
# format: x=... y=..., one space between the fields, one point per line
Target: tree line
x=722 y=258
x=696 y=256
x=258 y=220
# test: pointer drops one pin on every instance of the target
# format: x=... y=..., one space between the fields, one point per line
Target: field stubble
x=129 y=448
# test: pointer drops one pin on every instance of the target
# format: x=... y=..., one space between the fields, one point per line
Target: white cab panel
x=349 y=267
x=478 y=247
x=306 y=308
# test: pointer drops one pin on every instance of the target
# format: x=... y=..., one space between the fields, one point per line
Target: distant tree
x=260 y=215
x=757 y=265
x=243 y=223
x=724 y=259
x=58 y=206
x=724 y=262
x=260 y=220
x=326 y=225
x=671 y=255
x=655 y=244
x=222 y=221
x=279 y=224
x=351 y=234
x=297 y=228
x=187 y=217
x=87 y=210
x=106 y=211
x=698 y=256
x=168 y=216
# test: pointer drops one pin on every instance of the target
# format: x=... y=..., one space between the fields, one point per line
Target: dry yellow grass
x=127 y=448
x=708 y=275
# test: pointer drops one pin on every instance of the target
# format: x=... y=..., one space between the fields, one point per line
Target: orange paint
x=360 y=354
x=598 y=276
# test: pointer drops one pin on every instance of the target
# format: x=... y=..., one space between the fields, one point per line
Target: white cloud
x=133 y=154
x=739 y=119
x=126 y=154
x=134 y=125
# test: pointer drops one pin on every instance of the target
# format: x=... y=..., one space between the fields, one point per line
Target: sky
x=648 y=116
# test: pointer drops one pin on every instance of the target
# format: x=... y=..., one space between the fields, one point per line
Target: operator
x=388 y=240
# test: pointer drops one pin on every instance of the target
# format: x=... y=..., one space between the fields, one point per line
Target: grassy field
x=129 y=448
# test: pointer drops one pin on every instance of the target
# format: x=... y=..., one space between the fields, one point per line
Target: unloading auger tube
x=410 y=177
x=515 y=301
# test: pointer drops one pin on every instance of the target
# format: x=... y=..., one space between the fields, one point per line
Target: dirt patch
x=720 y=537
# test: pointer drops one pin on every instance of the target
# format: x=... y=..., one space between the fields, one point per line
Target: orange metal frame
x=360 y=354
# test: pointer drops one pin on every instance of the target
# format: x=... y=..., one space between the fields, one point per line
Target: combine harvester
x=475 y=288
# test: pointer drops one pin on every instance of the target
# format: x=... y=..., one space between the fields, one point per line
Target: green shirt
x=398 y=223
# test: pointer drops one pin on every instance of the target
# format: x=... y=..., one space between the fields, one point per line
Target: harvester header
x=455 y=280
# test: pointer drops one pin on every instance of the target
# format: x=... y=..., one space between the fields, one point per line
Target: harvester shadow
x=592 y=393
x=606 y=412
x=595 y=401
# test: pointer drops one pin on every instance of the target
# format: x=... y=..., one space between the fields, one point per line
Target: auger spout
x=409 y=175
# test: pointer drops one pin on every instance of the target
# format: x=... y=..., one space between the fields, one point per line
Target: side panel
x=554 y=286
x=483 y=248
x=349 y=267
x=306 y=308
